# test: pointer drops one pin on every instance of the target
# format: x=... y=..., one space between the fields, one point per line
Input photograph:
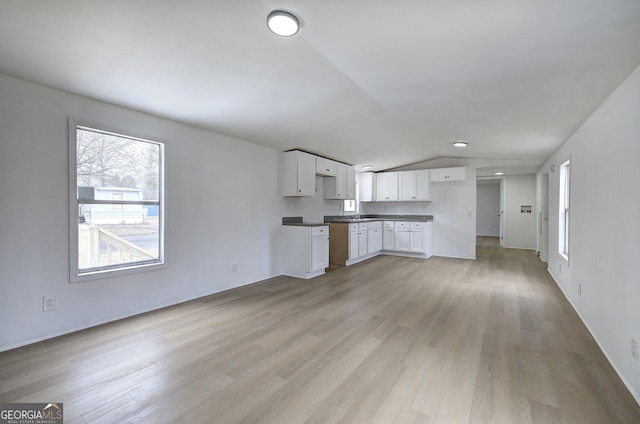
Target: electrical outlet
x=234 y=267
x=634 y=348
x=48 y=303
x=580 y=289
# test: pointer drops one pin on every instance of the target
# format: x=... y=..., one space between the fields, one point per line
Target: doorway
x=488 y=209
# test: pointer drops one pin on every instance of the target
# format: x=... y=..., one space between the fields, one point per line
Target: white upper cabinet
x=458 y=173
x=386 y=186
x=366 y=186
x=414 y=185
x=343 y=185
x=326 y=167
x=351 y=183
x=298 y=174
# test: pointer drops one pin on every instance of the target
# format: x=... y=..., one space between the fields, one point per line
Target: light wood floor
x=390 y=340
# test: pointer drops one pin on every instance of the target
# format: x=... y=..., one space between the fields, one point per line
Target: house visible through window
x=563 y=227
x=118 y=210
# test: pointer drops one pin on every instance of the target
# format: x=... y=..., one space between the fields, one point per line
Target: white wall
x=313 y=209
x=488 y=208
x=604 y=225
x=224 y=206
x=453 y=206
x=520 y=228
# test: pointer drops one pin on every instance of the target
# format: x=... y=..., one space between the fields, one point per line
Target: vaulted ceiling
x=364 y=81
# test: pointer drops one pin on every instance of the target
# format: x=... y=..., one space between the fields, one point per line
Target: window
x=563 y=227
x=349 y=205
x=117 y=213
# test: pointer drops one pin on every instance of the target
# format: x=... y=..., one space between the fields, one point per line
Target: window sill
x=115 y=273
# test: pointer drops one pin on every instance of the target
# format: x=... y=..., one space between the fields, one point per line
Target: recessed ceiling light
x=460 y=144
x=365 y=167
x=283 y=23
x=498 y=173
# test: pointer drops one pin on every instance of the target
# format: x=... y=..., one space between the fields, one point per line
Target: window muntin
x=563 y=208
x=118 y=212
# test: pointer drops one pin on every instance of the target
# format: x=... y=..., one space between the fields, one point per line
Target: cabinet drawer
x=374 y=224
x=418 y=225
x=403 y=224
x=326 y=167
x=353 y=227
x=388 y=224
x=362 y=226
x=319 y=231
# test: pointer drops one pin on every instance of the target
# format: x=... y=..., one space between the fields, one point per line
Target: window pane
x=110 y=161
x=108 y=236
x=119 y=183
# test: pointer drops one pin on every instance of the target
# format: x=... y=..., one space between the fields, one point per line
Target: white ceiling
x=364 y=81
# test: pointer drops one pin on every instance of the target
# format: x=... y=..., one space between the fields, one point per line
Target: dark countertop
x=296 y=221
x=369 y=218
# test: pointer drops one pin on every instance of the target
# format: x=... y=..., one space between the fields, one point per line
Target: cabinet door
x=407 y=185
x=423 y=184
x=393 y=186
x=417 y=240
x=298 y=174
x=458 y=173
x=353 y=244
x=374 y=241
x=366 y=186
x=350 y=182
x=387 y=186
x=382 y=187
x=341 y=181
x=319 y=252
x=362 y=242
x=326 y=167
x=403 y=239
x=388 y=239
x=306 y=174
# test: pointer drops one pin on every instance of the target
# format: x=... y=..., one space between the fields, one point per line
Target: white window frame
x=564 y=213
x=75 y=276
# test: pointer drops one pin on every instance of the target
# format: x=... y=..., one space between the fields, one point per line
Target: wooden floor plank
x=388 y=340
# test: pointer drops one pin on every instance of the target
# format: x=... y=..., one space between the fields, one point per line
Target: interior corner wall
x=223 y=202
x=604 y=227
x=520 y=227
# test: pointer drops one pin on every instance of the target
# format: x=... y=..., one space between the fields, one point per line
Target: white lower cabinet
x=358 y=240
x=320 y=250
x=403 y=237
x=374 y=237
x=408 y=237
x=388 y=236
x=306 y=250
